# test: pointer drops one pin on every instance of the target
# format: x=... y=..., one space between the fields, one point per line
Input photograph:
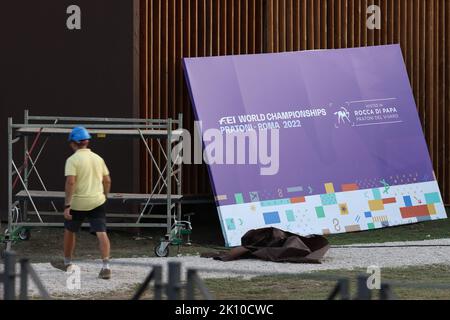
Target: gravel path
x=398 y=254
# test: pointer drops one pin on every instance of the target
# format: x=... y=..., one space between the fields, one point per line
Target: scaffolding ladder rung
x=108 y=215
x=86 y=225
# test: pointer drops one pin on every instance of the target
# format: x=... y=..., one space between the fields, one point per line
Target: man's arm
x=106 y=185
x=70 y=189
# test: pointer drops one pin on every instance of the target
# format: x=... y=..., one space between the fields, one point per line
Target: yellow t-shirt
x=89 y=170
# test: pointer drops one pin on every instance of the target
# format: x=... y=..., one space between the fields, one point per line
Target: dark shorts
x=96 y=218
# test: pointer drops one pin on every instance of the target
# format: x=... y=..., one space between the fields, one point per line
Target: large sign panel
x=332 y=141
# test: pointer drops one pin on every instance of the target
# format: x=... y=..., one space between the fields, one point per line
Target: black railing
x=178 y=289
x=9 y=275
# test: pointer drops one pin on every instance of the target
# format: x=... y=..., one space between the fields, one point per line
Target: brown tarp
x=273 y=244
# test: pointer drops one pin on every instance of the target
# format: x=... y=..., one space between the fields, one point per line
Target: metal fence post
x=35 y=278
x=141 y=290
x=190 y=286
x=158 y=282
x=173 y=287
x=344 y=285
x=342 y=288
x=363 y=292
x=24 y=279
x=201 y=286
x=9 y=284
x=386 y=292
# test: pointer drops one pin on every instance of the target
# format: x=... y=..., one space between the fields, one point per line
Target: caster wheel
x=162 y=250
x=24 y=235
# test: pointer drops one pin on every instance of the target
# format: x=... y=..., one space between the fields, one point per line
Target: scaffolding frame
x=169 y=171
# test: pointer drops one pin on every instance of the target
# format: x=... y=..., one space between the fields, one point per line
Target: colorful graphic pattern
x=337 y=212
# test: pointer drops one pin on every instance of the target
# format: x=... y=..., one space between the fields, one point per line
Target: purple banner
x=333 y=141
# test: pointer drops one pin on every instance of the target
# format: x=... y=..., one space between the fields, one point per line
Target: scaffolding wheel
x=24 y=234
x=162 y=249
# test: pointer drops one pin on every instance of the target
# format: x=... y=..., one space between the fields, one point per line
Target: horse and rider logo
x=343 y=117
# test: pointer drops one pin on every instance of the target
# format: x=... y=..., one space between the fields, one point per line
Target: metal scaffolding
x=22 y=202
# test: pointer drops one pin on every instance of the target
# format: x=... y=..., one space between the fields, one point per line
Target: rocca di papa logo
x=342 y=117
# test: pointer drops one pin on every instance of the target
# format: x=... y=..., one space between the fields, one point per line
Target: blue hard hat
x=79 y=134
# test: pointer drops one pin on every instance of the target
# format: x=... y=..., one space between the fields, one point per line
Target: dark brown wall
x=174 y=29
x=54 y=71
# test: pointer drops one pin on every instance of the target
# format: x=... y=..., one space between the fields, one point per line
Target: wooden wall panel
x=172 y=29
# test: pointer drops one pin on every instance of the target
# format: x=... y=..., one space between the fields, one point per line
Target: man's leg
x=98 y=225
x=69 y=248
x=69 y=245
x=105 y=246
x=71 y=228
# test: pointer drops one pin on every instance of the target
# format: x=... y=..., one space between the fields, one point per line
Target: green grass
x=46 y=244
x=295 y=288
x=416 y=232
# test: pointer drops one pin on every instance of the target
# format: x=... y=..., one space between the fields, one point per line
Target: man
x=87 y=186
